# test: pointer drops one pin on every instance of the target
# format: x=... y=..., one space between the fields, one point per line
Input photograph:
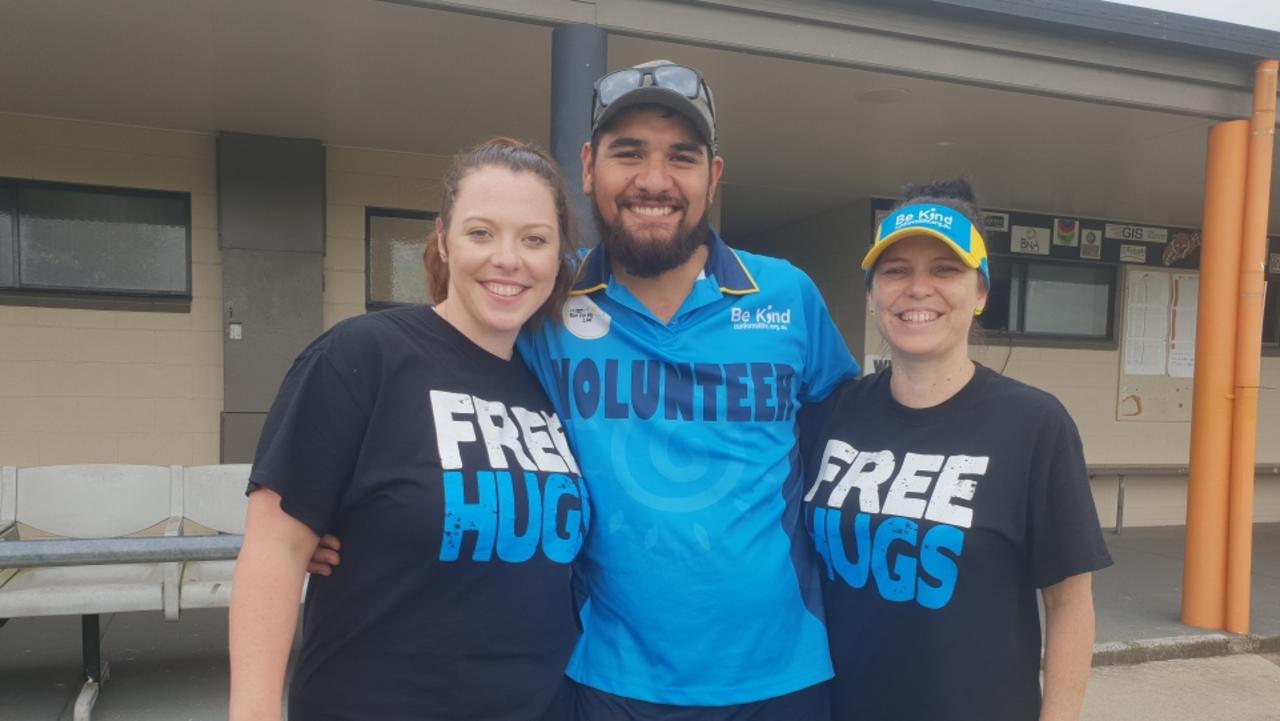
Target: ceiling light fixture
x=882 y=96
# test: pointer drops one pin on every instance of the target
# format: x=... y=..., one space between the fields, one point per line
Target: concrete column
x=271 y=232
x=1204 y=569
x=1248 y=370
x=578 y=57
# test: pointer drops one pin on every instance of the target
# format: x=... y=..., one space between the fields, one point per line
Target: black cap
x=700 y=110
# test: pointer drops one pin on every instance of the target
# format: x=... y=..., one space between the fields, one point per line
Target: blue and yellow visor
x=938 y=221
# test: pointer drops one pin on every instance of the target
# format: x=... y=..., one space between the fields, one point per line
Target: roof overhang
x=1121 y=20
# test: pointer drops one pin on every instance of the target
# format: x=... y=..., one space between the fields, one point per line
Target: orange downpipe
x=1253 y=264
x=1205 y=562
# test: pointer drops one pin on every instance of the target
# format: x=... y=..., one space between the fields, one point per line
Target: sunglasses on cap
x=657 y=82
x=676 y=78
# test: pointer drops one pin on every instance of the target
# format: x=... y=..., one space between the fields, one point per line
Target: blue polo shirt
x=702 y=591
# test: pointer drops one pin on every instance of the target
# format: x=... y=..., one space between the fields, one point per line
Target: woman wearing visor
x=941 y=496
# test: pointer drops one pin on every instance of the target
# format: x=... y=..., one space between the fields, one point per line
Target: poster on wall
x=1183 y=245
x=1146 y=324
x=1091 y=244
x=1158 y=344
x=995 y=222
x=1182 y=325
x=1030 y=240
x=1145 y=234
x=1133 y=253
x=1088 y=240
x=1066 y=231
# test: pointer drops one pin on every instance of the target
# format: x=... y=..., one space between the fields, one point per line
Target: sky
x=1264 y=14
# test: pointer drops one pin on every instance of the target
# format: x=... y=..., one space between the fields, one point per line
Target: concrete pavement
x=1227 y=688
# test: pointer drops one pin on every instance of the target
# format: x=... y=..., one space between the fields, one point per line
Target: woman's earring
x=977 y=312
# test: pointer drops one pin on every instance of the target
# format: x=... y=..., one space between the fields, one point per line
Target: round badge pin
x=585 y=319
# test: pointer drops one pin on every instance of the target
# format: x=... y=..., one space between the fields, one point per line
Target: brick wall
x=106 y=386
x=356 y=179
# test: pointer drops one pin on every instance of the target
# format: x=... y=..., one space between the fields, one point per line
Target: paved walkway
x=178 y=671
x=1139 y=599
x=1224 y=688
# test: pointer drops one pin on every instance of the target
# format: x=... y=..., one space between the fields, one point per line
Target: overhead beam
x=885 y=39
x=1142 y=22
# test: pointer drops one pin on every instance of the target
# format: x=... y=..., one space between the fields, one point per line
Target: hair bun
x=954 y=193
x=951 y=189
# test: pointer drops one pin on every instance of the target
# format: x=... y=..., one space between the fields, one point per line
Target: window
x=7 y=225
x=1271 y=304
x=1271 y=313
x=83 y=240
x=394 y=242
x=1053 y=300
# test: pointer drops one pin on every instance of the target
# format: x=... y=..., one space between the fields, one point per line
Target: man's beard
x=649 y=259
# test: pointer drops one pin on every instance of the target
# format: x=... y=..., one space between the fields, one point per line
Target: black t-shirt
x=446 y=474
x=936 y=526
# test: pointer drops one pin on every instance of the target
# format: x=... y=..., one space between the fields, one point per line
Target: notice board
x=1157 y=344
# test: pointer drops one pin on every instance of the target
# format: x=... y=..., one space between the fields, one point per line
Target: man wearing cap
x=679 y=370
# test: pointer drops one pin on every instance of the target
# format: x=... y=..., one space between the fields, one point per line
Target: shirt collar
x=722 y=263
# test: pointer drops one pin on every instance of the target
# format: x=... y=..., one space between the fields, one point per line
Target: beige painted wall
x=99 y=386
x=827 y=247
x=358 y=178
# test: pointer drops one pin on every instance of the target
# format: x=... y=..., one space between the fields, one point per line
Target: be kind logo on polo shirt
x=760 y=318
x=585 y=319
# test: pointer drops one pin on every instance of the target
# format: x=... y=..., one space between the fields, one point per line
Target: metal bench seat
x=75 y=590
x=206 y=584
x=134 y=523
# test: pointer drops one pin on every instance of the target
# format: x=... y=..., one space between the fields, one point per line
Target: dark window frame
x=1012 y=337
x=89 y=296
x=371 y=212
x=1271 y=293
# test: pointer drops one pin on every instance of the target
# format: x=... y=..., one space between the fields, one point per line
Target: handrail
x=1123 y=470
x=99 y=551
x=1158 y=469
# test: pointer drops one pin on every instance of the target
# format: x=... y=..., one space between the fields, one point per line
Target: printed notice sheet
x=1146 y=327
x=1182 y=326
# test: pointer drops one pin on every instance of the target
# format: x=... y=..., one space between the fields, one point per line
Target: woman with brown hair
x=943 y=496
x=419 y=438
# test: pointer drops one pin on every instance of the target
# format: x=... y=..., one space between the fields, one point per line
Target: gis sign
x=1115 y=231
